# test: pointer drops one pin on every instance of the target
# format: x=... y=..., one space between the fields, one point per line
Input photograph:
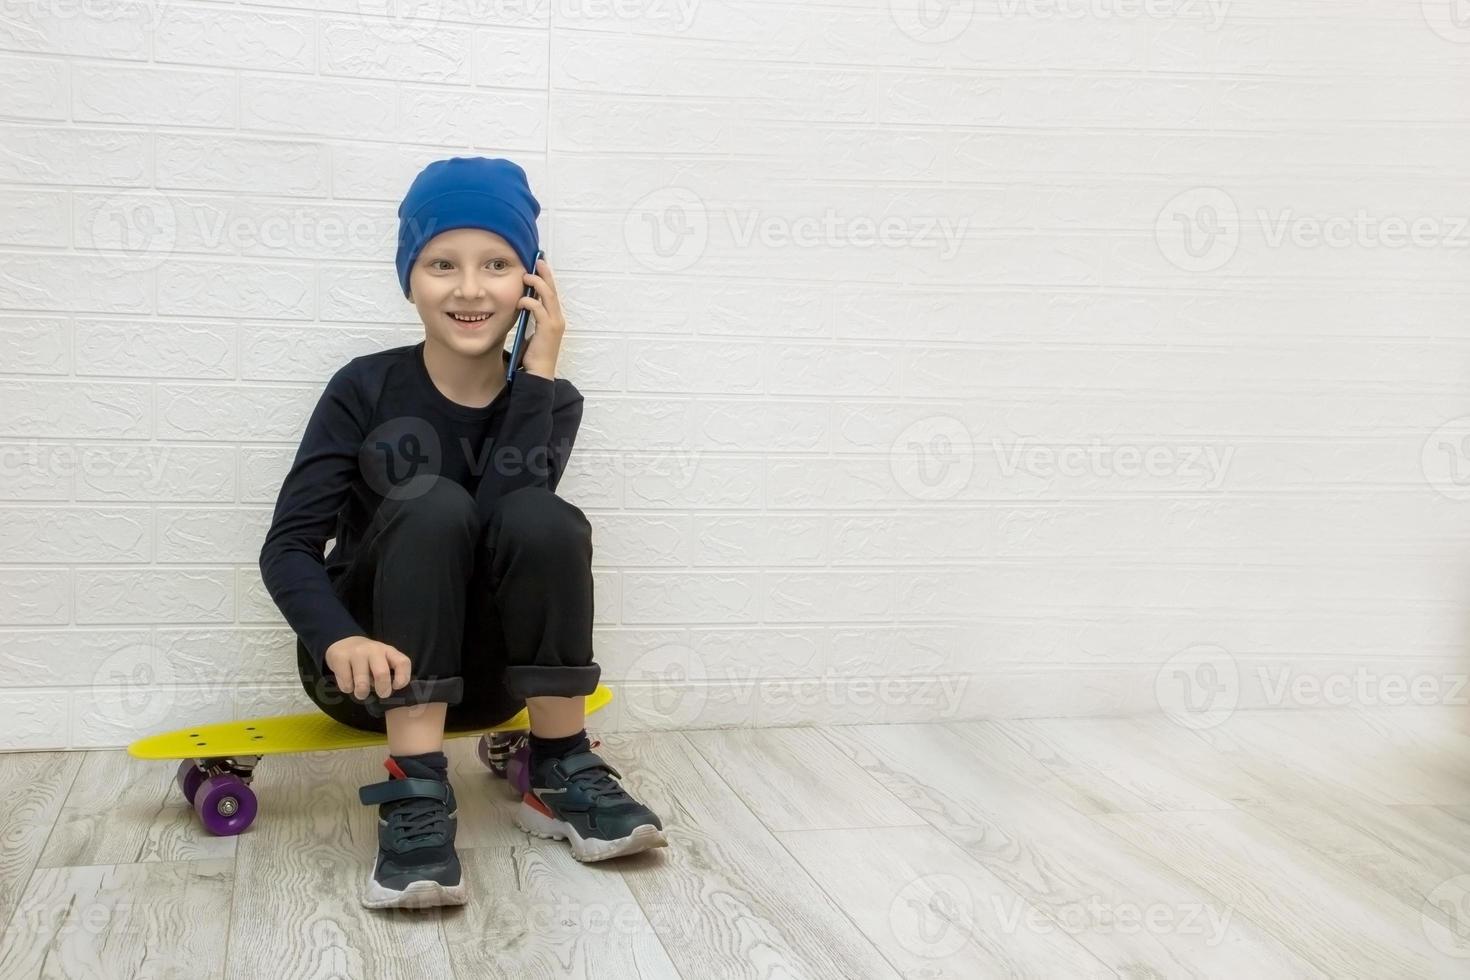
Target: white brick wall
x=1096 y=424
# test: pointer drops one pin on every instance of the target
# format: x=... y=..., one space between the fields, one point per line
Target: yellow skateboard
x=219 y=759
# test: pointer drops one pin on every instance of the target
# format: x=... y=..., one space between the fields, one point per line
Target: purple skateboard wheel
x=226 y=806
x=496 y=748
x=189 y=777
x=518 y=770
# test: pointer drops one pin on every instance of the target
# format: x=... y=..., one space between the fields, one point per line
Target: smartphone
x=522 y=333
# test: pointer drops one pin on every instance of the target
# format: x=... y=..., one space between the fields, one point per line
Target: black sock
x=436 y=761
x=556 y=748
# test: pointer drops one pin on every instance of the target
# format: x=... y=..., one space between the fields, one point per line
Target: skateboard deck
x=219 y=759
x=309 y=732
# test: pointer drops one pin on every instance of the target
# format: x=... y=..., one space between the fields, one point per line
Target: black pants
x=489 y=616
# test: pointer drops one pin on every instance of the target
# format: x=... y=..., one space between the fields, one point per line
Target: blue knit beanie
x=468 y=192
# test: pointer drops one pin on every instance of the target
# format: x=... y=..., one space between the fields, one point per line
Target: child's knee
x=537 y=517
x=442 y=510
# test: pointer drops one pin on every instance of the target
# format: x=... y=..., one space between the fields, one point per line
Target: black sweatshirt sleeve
x=313 y=492
x=535 y=439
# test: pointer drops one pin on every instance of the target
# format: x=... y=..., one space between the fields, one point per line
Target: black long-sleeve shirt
x=381 y=428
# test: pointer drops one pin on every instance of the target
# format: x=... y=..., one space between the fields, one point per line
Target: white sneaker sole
x=538 y=824
x=418 y=895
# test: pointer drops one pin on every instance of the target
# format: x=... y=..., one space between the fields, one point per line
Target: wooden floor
x=1291 y=844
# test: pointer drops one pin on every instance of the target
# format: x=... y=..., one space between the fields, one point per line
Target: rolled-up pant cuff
x=537 y=680
x=450 y=690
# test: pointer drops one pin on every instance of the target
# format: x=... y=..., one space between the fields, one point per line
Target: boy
x=460 y=586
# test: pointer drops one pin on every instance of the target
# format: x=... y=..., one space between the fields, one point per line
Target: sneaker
x=417 y=866
x=578 y=799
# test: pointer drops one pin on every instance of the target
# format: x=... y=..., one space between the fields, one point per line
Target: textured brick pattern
x=941 y=361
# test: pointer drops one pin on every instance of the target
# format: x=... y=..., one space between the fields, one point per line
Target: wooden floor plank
x=934 y=911
x=1052 y=855
x=1302 y=843
x=1342 y=924
x=794 y=779
x=33 y=790
x=123 y=810
x=155 y=919
x=301 y=870
x=727 y=898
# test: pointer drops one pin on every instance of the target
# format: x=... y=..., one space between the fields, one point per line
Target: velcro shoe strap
x=579 y=761
x=398 y=789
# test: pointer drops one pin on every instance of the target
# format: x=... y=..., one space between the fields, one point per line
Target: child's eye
x=503 y=263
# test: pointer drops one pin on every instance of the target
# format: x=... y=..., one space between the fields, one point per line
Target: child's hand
x=361 y=664
x=545 y=306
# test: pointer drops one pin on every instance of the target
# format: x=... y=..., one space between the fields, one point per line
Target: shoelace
x=599 y=783
x=416 y=820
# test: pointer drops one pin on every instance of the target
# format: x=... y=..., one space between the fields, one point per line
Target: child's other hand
x=361 y=664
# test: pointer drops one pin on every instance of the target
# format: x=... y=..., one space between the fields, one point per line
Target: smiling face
x=472 y=272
